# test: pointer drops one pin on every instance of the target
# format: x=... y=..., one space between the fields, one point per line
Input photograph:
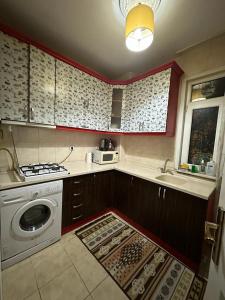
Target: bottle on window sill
x=211 y=168
x=202 y=166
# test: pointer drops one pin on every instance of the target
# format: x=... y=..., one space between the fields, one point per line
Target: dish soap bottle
x=211 y=168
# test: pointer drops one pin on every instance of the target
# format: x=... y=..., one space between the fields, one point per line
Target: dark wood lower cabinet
x=86 y=195
x=175 y=217
x=183 y=219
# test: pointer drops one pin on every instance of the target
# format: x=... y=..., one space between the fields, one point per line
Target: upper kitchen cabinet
x=37 y=88
x=151 y=103
x=118 y=99
x=82 y=101
x=41 y=87
x=13 y=79
x=96 y=98
x=69 y=104
x=88 y=99
x=103 y=100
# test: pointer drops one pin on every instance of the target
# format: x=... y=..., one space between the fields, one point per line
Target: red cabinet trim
x=65 y=128
x=26 y=39
x=174 y=88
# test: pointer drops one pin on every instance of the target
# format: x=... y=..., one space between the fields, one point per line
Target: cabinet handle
x=31 y=113
x=24 y=111
x=76 y=194
x=76 y=182
x=79 y=205
x=159 y=192
x=80 y=216
x=164 y=194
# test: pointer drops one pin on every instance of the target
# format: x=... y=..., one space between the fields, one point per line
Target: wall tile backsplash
x=37 y=145
x=149 y=150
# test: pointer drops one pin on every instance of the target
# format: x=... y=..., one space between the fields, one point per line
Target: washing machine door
x=33 y=218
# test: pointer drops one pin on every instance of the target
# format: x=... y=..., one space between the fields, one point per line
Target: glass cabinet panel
x=117 y=98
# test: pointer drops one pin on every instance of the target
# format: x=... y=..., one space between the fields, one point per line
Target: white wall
x=216 y=284
x=203 y=58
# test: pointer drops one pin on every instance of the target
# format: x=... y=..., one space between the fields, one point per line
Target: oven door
x=33 y=218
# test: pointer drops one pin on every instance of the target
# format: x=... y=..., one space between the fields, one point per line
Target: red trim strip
x=173 y=103
x=192 y=265
x=64 y=128
x=24 y=38
x=175 y=76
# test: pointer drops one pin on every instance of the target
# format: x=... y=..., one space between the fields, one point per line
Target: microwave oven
x=105 y=157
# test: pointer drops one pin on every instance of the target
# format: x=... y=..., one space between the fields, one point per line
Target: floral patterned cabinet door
x=42 y=87
x=88 y=99
x=146 y=104
x=103 y=102
x=69 y=105
x=96 y=98
x=13 y=79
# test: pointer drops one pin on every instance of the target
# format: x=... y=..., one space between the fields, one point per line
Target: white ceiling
x=90 y=32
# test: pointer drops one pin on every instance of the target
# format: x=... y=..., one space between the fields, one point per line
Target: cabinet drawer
x=77 y=198
x=77 y=214
x=80 y=183
x=77 y=206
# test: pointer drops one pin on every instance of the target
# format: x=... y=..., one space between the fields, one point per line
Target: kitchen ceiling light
x=139 y=27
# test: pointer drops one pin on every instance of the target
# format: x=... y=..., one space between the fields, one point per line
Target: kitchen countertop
x=194 y=186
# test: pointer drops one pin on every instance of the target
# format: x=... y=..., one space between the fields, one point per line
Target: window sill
x=200 y=175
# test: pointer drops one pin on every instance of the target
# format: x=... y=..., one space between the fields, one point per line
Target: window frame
x=212 y=102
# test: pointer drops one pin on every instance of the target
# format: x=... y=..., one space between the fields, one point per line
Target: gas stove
x=38 y=171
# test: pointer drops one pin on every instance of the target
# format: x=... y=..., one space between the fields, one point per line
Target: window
x=203 y=120
x=208 y=90
x=203 y=133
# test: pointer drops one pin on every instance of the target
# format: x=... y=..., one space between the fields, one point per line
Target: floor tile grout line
x=82 y=277
x=29 y=261
x=107 y=276
x=34 y=275
x=77 y=272
x=39 y=288
x=39 y=292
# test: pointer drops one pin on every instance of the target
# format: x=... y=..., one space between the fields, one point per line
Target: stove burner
x=41 y=169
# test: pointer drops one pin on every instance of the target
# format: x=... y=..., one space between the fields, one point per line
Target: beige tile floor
x=63 y=271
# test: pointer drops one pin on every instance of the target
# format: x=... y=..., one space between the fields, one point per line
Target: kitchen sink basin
x=8 y=178
x=171 y=179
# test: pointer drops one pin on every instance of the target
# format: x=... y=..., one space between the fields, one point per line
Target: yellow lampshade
x=139 y=28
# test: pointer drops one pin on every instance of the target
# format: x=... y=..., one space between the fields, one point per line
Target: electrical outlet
x=72 y=148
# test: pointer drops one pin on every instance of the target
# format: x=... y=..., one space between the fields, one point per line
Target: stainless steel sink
x=8 y=178
x=171 y=179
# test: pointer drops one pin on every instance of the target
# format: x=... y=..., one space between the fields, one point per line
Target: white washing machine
x=30 y=220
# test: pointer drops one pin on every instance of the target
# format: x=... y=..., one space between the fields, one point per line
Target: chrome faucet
x=164 y=169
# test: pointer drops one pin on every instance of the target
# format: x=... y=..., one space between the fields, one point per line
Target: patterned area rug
x=141 y=268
